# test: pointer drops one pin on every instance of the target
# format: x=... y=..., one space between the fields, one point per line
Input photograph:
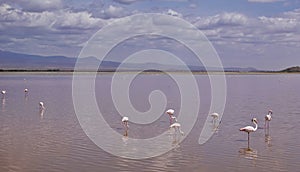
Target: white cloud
x=279 y=24
x=126 y=1
x=221 y=20
x=79 y=20
x=11 y=17
x=36 y=5
x=234 y=28
x=293 y=14
x=113 y=12
x=173 y=13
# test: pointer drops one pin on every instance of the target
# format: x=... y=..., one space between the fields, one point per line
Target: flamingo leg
x=126 y=131
x=265 y=124
x=248 y=140
x=126 y=128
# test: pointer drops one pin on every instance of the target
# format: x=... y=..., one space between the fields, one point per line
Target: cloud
x=79 y=20
x=227 y=29
x=36 y=5
x=11 y=17
x=221 y=20
x=113 y=12
x=173 y=13
x=127 y=1
x=293 y=14
x=265 y=1
x=49 y=32
x=279 y=24
x=193 y=5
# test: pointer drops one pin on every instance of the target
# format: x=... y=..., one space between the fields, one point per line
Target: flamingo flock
x=250 y=129
x=41 y=104
x=174 y=124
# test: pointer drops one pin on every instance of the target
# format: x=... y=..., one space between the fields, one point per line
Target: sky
x=264 y=34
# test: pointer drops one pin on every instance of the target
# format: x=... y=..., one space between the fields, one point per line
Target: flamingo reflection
x=248 y=153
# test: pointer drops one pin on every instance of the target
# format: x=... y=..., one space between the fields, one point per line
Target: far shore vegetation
x=295 y=69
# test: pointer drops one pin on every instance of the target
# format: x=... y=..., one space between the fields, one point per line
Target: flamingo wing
x=268 y=117
x=247 y=129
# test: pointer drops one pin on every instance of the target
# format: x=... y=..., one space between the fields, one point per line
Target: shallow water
x=54 y=140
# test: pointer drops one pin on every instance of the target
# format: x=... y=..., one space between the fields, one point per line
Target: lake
x=53 y=140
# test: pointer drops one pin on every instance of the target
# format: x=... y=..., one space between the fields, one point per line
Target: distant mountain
x=18 y=61
x=10 y=60
x=291 y=69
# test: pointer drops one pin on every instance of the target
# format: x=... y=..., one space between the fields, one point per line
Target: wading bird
x=215 y=116
x=249 y=129
x=172 y=118
x=42 y=107
x=125 y=124
x=268 y=118
x=3 y=92
x=26 y=92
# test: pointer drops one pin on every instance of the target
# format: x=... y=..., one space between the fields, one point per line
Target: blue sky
x=264 y=34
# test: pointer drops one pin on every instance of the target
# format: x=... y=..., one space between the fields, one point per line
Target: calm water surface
x=54 y=141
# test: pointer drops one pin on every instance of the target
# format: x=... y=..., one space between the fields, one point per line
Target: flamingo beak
x=254 y=120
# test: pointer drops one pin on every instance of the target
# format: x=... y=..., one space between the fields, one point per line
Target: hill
x=27 y=62
x=292 y=69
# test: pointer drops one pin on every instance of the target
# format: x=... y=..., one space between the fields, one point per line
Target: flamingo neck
x=255 y=126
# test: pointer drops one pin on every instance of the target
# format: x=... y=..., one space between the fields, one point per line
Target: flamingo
x=42 y=107
x=125 y=124
x=215 y=116
x=268 y=118
x=170 y=112
x=26 y=92
x=176 y=127
x=3 y=92
x=249 y=129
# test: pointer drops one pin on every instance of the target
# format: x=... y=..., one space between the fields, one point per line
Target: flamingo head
x=215 y=115
x=170 y=111
x=254 y=120
x=125 y=119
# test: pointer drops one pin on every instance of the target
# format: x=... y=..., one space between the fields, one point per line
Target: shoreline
x=71 y=72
